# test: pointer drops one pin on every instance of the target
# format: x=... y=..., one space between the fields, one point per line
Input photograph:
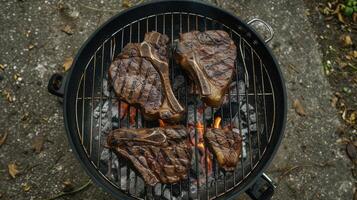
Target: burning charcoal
x=248 y=116
x=244 y=133
x=191 y=113
x=233 y=92
x=179 y=83
x=224 y=112
x=106 y=87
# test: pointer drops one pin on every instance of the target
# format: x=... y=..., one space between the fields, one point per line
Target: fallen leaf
x=67 y=186
x=343 y=141
x=67 y=64
x=353 y=54
x=346 y=40
x=334 y=101
x=340 y=18
x=2 y=67
x=351 y=151
x=126 y=4
x=299 y=109
x=37 y=143
x=354 y=17
x=67 y=29
x=31 y=46
x=13 y=171
x=17 y=77
x=26 y=187
x=3 y=139
x=8 y=96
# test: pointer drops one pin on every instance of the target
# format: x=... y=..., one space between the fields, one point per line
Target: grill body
x=263 y=89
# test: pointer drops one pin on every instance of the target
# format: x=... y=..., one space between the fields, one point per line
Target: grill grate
x=252 y=91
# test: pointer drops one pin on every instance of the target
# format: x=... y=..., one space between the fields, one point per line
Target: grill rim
x=101 y=34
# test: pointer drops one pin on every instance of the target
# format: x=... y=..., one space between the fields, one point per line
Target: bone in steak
x=225 y=146
x=140 y=76
x=209 y=58
x=158 y=154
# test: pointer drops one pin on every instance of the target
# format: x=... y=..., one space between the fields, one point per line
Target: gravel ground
x=34 y=47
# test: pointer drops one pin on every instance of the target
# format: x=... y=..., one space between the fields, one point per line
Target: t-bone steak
x=140 y=76
x=209 y=59
x=160 y=154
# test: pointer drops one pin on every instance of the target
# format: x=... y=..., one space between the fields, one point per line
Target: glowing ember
x=124 y=109
x=217 y=122
x=162 y=123
x=201 y=147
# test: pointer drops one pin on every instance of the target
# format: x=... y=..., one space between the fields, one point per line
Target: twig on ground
x=97 y=9
x=72 y=192
x=288 y=170
x=292 y=67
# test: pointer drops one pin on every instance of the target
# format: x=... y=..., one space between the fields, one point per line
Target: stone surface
x=322 y=171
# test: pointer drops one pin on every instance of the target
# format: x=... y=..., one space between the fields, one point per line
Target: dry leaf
x=334 y=101
x=67 y=64
x=26 y=187
x=126 y=4
x=346 y=40
x=13 y=171
x=353 y=54
x=8 y=96
x=299 y=109
x=354 y=17
x=2 y=67
x=3 y=139
x=343 y=140
x=31 y=46
x=340 y=18
x=351 y=151
x=37 y=143
x=67 y=29
x=67 y=186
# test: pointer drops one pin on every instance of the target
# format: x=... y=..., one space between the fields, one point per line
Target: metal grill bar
x=249 y=72
x=242 y=52
x=97 y=98
x=92 y=105
x=256 y=104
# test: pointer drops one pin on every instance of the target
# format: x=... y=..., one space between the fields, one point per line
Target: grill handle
x=56 y=84
x=262 y=189
x=267 y=26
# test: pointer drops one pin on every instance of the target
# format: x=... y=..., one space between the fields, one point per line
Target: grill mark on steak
x=155 y=153
x=140 y=74
x=143 y=86
x=209 y=59
x=225 y=146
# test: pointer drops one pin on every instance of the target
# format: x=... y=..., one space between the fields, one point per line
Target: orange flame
x=123 y=109
x=132 y=116
x=201 y=147
x=217 y=122
x=162 y=123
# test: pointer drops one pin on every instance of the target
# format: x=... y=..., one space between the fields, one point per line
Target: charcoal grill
x=256 y=103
